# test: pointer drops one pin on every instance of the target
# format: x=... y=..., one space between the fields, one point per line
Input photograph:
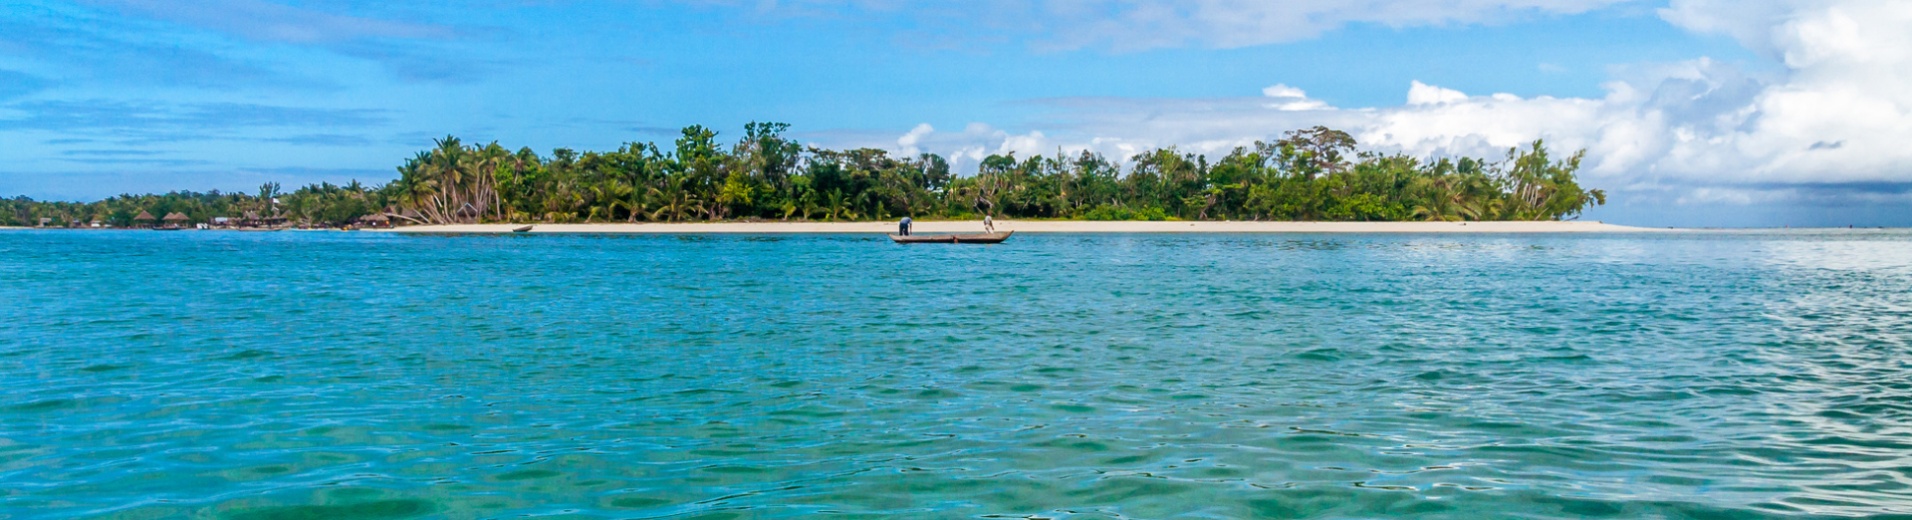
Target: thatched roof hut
x=253 y=219
x=375 y=218
x=143 y=215
x=177 y=217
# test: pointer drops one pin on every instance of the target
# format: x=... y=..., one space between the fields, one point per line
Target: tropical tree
x=1315 y=173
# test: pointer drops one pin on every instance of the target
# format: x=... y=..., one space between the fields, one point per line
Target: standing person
x=989 y=226
x=903 y=228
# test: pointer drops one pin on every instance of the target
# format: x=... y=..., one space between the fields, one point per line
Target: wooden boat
x=970 y=238
x=526 y=229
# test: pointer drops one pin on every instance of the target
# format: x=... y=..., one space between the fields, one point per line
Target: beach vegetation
x=1312 y=174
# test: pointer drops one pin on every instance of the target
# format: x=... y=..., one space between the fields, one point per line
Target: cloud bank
x=1835 y=117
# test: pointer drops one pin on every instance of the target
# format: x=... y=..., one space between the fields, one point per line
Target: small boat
x=526 y=229
x=971 y=238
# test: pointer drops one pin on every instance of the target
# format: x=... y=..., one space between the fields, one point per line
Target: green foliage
x=316 y=205
x=1311 y=174
x=1120 y=213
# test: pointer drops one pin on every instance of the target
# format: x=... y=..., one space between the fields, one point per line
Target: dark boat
x=972 y=238
x=526 y=229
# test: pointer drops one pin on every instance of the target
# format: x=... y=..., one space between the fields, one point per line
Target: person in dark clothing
x=903 y=228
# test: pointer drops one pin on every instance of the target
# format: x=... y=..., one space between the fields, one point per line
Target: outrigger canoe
x=972 y=238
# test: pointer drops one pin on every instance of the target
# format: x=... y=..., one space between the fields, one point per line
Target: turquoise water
x=336 y=375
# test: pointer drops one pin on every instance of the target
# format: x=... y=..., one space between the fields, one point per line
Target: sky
x=1692 y=112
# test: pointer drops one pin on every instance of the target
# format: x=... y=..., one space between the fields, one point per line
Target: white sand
x=1049 y=226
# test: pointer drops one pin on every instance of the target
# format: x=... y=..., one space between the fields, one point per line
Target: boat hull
x=973 y=238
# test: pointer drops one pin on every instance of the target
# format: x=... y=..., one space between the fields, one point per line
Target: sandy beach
x=1048 y=226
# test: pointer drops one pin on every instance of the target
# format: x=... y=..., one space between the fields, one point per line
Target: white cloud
x=1290 y=99
x=1838 y=113
x=908 y=142
x=1032 y=142
x=1424 y=94
x=965 y=149
x=1752 y=23
x=1283 y=91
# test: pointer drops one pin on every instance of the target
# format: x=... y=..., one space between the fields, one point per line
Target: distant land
x=1314 y=174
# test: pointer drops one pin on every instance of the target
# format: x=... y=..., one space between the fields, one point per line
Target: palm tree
x=1437 y=199
x=675 y=203
x=838 y=207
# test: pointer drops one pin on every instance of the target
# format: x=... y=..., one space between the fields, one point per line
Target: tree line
x=1310 y=174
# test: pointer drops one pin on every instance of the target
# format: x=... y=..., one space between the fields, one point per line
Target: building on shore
x=375 y=220
x=252 y=219
x=144 y=219
x=176 y=220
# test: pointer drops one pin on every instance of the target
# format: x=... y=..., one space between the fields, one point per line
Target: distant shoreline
x=1041 y=226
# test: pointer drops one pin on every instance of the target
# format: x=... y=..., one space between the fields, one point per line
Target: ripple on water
x=1139 y=376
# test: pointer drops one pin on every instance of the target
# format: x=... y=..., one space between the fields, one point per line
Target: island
x=1303 y=180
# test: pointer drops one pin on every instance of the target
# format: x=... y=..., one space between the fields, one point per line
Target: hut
x=144 y=219
x=176 y=219
x=375 y=220
x=253 y=219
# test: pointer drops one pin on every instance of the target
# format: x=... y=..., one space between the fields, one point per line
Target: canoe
x=972 y=238
x=526 y=229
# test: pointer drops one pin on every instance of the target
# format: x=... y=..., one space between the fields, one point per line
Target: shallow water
x=321 y=375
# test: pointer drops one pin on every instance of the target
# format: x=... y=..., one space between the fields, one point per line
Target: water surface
x=318 y=375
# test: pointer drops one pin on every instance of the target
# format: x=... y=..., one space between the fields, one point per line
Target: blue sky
x=109 y=96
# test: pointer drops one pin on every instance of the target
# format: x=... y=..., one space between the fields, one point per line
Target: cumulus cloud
x=972 y=144
x=908 y=142
x=1835 y=117
x=1751 y=23
x=1424 y=94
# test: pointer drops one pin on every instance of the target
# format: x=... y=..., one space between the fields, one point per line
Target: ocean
x=1746 y=374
